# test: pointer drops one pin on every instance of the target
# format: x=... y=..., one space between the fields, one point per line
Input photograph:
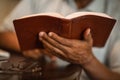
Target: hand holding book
x=71 y=50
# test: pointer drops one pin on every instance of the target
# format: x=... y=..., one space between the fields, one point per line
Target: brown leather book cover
x=72 y=26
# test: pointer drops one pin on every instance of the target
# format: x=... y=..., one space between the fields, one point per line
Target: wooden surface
x=48 y=70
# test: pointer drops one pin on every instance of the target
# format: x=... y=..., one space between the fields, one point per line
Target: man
x=93 y=68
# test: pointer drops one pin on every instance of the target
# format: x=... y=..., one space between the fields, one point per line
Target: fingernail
x=41 y=34
x=50 y=34
x=88 y=31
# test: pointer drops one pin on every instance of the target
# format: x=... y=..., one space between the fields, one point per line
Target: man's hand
x=37 y=53
x=75 y=51
x=8 y=40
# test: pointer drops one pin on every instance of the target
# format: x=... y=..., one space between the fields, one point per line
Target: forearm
x=9 y=40
x=97 y=71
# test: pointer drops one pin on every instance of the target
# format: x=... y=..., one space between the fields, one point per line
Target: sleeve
x=59 y=6
x=23 y=8
x=114 y=58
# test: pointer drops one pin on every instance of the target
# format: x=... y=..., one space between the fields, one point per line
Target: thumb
x=88 y=36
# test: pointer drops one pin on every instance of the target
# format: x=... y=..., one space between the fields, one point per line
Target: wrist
x=88 y=61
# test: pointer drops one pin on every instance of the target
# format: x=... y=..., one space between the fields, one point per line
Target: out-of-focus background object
x=6 y=7
x=4 y=55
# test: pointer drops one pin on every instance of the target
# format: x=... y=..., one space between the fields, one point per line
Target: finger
x=45 y=37
x=54 y=50
x=88 y=37
x=49 y=54
x=53 y=58
x=35 y=54
x=59 y=39
x=59 y=54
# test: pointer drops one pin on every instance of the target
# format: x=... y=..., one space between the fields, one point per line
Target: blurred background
x=6 y=6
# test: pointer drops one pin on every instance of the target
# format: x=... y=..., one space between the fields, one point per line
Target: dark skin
x=75 y=51
x=86 y=59
x=99 y=72
x=8 y=40
x=78 y=52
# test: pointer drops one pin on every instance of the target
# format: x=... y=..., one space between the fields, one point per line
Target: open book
x=71 y=26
